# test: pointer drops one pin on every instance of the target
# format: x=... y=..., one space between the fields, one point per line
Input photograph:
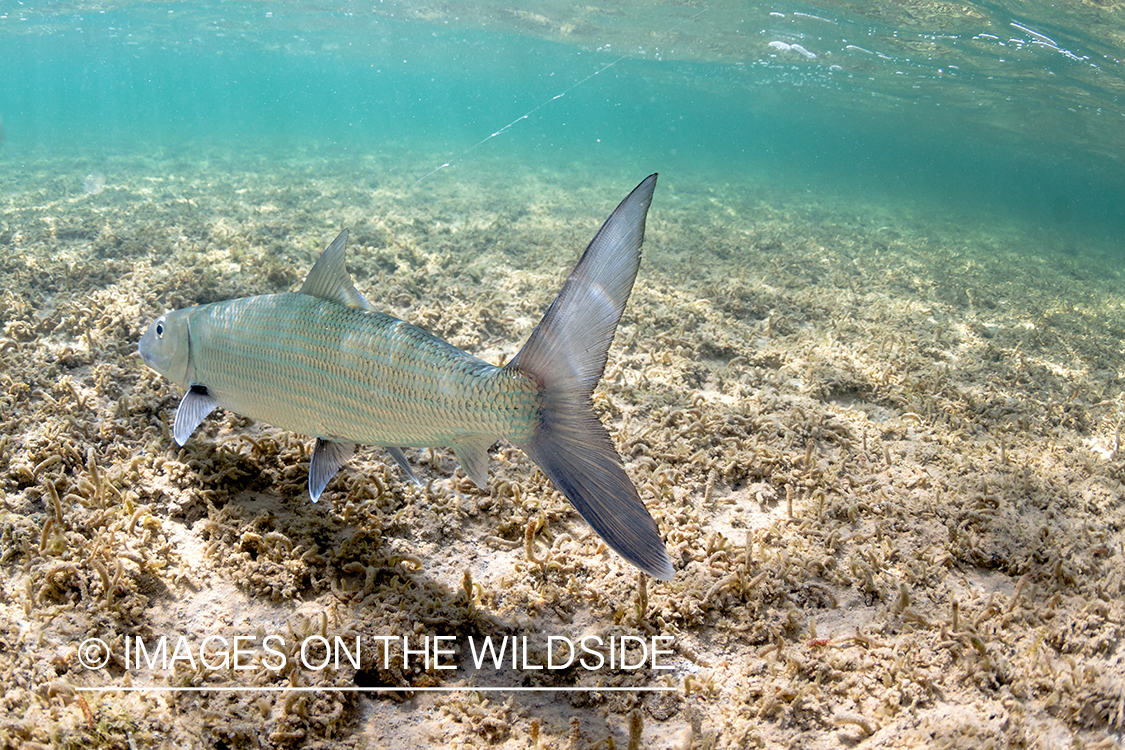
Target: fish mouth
x=144 y=346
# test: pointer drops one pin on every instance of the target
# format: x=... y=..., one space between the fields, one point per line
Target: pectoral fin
x=194 y=408
x=327 y=458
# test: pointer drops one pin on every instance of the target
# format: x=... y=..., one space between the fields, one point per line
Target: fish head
x=166 y=346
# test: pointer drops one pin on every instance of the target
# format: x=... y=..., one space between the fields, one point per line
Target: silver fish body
x=339 y=373
x=323 y=362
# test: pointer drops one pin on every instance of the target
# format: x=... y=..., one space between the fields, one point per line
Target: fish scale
x=323 y=362
x=388 y=382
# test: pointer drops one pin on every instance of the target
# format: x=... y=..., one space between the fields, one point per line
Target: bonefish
x=323 y=362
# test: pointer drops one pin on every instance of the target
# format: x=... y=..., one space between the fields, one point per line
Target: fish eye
x=159 y=328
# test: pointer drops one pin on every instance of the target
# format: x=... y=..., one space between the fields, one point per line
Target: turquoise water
x=1010 y=112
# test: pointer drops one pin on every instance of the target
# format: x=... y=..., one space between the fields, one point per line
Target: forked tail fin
x=566 y=354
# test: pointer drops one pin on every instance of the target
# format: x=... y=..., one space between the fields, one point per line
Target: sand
x=884 y=449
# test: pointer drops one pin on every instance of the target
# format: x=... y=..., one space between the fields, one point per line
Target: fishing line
x=543 y=104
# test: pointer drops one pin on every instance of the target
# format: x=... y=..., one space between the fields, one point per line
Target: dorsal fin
x=329 y=278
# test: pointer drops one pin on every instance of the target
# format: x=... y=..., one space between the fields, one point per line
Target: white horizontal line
x=1035 y=33
x=307 y=689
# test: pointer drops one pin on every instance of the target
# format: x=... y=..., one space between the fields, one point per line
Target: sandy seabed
x=885 y=454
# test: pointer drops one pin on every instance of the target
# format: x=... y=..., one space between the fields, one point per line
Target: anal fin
x=472 y=452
